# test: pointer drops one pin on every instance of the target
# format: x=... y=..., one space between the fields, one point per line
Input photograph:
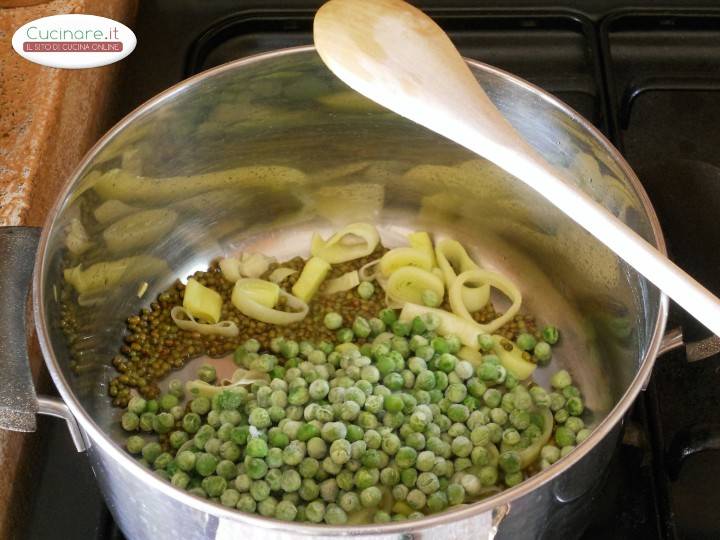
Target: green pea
x=425 y=380
x=488 y=476
x=416 y=499
x=564 y=436
x=257 y=448
x=333 y=430
x=455 y=494
x=513 y=478
x=431 y=321
x=520 y=419
x=226 y=469
x=377 y=326
x=361 y=327
x=365 y=477
x=390 y=444
x=317 y=357
x=178 y=438
x=542 y=353
x=561 y=416
x=574 y=406
x=315 y=511
x=370 y=497
x=381 y=517
x=511 y=436
x=385 y=364
x=255 y=468
x=550 y=453
x=134 y=444
x=137 y=405
x=492 y=397
x=243 y=482
x=388 y=316
x=480 y=456
x=130 y=421
x=561 y=379
x=205 y=464
x=180 y=479
x=334 y=514
x=350 y=502
x=489 y=372
x=461 y=446
x=207 y=374
x=509 y=461
x=510 y=381
x=425 y=461
x=574 y=424
x=437 y=501
x=344 y=335
x=307 y=431
x=551 y=334
x=286 y=510
x=399 y=328
x=446 y=362
x=259 y=490
x=151 y=451
x=163 y=423
x=168 y=401
x=486 y=342
x=526 y=341
x=458 y=412
x=246 y=503
x=582 y=435
x=340 y=451
x=200 y=405
x=294 y=453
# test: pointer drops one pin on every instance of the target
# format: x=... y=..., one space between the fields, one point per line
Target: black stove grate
x=555 y=50
x=647 y=78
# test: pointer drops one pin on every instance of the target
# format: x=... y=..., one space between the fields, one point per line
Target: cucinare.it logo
x=74 y=41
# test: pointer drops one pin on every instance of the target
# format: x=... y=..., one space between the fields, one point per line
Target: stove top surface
x=649 y=78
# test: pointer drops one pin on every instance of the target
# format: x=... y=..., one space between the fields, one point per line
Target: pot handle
x=694 y=350
x=19 y=403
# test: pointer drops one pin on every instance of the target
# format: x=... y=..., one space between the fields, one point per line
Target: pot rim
x=99 y=438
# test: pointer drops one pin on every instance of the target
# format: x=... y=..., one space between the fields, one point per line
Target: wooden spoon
x=397 y=56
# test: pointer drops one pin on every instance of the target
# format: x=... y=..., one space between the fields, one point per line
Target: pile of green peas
x=386 y=424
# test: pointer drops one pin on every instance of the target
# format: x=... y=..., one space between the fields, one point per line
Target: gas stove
x=649 y=78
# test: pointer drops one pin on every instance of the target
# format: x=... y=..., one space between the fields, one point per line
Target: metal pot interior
x=351 y=161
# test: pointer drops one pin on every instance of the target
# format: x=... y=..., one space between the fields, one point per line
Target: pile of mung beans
x=382 y=422
x=154 y=346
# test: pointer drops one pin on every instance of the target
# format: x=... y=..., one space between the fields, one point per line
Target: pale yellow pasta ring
x=407 y=284
x=279 y=274
x=188 y=323
x=447 y=250
x=404 y=256
x=250 y=308
x=351 y=242
x=493 y=279
x=349 y=280
x=365 y=271
x=513 y=360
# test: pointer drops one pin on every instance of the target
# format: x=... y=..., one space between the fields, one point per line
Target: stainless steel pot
x=336 y=158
